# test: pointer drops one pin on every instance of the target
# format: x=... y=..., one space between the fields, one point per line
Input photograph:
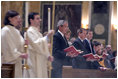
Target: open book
x=91 y=57
x=73 y=50
x=104 y=55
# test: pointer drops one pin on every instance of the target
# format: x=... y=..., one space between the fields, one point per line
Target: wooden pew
x=69 y=72
x=7 y=70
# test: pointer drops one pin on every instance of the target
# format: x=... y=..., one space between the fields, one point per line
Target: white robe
x=38 y=53
x=11 y=48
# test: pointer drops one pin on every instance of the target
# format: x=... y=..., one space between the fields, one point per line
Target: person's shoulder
x=5 y=29
x=30 y=29
x=76 y=41
x=85 y=40
x=56 y=34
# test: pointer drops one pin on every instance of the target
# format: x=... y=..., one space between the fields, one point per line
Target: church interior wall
x=35 y=6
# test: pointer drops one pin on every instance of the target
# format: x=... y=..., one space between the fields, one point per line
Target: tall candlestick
x=53 y=14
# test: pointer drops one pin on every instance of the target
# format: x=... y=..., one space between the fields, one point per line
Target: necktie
x=90 y=47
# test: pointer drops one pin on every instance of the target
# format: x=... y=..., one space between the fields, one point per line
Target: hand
x=74 y=55
x=104 y=55
x=89 y=59
x=26 y=42
x=102 y=68
x=80 y=51
x=49 y=45
x=50 y=33
x=71 y=54
x=24 y=55
x=50 y=58
x=95 y=55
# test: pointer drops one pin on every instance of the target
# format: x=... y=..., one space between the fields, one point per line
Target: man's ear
x=78 y=34
x=31 y=20
x=59 y=27
x=10 y=19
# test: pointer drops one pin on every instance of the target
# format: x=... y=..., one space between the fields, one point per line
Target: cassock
x=38 y=53
x=11 y=48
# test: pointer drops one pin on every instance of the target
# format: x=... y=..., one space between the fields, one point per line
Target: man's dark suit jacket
x=80 y=61
x=88 y=47
x=59 y=44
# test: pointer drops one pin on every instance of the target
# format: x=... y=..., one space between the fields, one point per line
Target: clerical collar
x=11 y=24
x=80 y=39
x=61 y=33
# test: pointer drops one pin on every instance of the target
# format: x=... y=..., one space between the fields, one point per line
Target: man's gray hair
x=61 y=22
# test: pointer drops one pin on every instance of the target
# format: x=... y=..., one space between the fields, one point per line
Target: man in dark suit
x=80 y=61
x=88 y=43
x=59 y=44
x=89 y=46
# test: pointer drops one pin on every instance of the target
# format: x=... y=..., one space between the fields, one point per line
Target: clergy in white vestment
x=38 y=48
x=12 y=43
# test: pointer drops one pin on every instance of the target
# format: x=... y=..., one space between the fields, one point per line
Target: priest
x=38 y=48
x=12 y=43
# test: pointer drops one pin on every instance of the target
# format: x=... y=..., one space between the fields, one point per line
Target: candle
x=48 y=19
x=26 y=14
